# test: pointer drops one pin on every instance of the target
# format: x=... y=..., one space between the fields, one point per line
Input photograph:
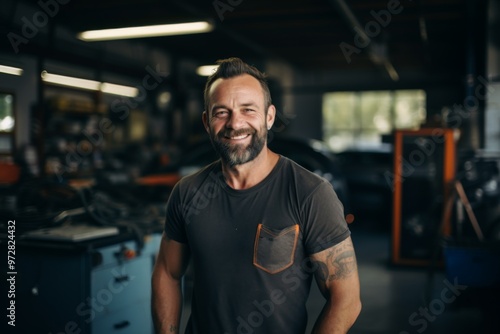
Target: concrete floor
x=394 y=298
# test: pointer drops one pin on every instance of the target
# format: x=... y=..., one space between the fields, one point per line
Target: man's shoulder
x=291 y=166
x=301 y=176
x=211 y=172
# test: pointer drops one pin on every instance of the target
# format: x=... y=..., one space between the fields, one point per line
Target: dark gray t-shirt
x=250 y=247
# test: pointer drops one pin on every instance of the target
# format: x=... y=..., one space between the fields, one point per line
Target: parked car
x=315 y=156
x=367 y=173
x=311 y=154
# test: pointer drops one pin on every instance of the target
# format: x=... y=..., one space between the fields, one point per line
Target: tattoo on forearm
x=174 y=329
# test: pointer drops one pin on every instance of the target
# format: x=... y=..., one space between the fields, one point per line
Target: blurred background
x=396 y=103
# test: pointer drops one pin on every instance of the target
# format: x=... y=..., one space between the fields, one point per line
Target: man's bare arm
x=166 y=301
x=337 y=278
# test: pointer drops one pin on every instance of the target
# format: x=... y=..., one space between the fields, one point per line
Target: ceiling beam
x=375 y=52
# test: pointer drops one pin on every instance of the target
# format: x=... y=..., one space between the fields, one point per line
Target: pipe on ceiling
x=377 y=57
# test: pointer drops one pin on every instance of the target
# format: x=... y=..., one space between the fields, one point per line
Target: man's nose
x=235 y=120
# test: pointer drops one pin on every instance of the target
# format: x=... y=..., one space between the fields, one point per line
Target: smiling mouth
x=240 y=137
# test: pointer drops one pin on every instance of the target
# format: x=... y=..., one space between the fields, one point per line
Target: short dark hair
x=233 y=67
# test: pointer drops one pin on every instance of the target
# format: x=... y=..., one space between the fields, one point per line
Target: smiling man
x=264 y=228
x=237 y=125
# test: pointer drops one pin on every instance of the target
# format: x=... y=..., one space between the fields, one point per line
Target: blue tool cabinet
x=95 y=287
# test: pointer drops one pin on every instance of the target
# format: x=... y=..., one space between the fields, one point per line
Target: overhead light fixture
x=391 y=71
x=70 y=81
x=206 y=70
x=146 y=31
x=86 y=84
x=11 y=70
x=119 y=89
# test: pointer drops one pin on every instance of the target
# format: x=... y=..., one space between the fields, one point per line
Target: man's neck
x=251 y=173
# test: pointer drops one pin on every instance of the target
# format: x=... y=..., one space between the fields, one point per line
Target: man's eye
x=220 y=114
x=249 y=110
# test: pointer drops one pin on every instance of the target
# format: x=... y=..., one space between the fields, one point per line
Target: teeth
x=240 y=137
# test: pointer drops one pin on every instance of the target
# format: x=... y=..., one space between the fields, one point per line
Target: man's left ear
x=271 y=114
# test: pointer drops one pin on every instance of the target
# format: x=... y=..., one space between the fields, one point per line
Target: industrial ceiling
x=315 y=35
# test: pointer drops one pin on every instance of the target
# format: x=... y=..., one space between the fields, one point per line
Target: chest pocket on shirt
x=274 y=249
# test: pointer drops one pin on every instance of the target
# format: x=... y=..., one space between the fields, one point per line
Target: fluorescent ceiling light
x=11 y=70
x=70 y=81
x=146 y=31
x=206 y=70
x=104 y=87
x=119 y=89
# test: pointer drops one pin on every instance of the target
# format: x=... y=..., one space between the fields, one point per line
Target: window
x=7 y=120
x=354 y=118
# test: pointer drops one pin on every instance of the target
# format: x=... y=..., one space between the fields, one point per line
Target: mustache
x=235 y=133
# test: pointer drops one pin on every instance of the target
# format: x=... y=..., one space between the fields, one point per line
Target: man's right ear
x=204 y=118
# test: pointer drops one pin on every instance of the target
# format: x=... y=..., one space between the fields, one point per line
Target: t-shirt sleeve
x=324 y=222
x=174 y=219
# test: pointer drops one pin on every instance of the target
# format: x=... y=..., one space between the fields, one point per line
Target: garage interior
x=396 y=103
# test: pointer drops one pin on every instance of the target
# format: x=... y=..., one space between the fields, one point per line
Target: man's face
x=237 y=120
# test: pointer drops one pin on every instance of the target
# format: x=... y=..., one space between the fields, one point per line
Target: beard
x=238 y=154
